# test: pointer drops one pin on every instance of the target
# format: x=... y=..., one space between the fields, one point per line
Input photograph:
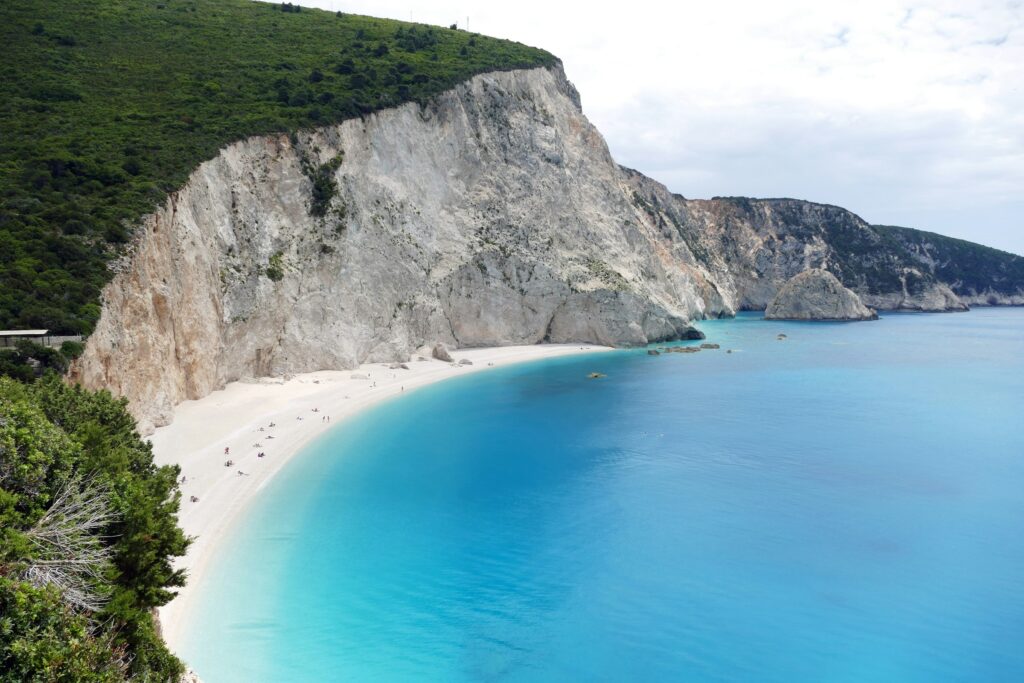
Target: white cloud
x=904 y=112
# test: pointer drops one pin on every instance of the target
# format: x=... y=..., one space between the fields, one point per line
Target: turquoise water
x=844 y=505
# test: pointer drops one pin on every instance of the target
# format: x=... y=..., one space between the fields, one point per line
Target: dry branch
x=71 y=552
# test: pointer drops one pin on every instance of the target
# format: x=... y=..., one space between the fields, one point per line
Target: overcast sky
x=907 y=113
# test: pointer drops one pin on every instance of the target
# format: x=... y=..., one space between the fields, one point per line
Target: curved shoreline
x=231 y=418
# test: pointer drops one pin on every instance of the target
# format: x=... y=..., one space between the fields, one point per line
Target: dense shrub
x=52 y=435
x=42 y=639
x=275 y=268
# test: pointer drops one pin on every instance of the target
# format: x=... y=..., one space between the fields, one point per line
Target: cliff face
x=752 y=246
x=816 y=294
x=494 y=215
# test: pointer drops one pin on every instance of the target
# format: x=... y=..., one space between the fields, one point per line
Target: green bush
x=51 y=433
x=275 y=269
x=41 y=639
x=72 y=349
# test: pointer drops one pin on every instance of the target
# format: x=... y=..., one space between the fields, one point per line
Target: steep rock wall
x=495 y=215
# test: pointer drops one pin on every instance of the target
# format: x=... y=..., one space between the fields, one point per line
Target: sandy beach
x=237 y=418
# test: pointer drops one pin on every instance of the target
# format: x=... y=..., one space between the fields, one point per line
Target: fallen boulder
x=440 y=352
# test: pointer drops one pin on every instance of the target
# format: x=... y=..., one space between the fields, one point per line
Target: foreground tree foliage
x=88 y=531
x=42 y=639
x=107 y=106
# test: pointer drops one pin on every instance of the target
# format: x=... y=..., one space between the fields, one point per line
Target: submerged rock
x=653 y=352
x=816 y=294
x=710 y=346
x=596 y=375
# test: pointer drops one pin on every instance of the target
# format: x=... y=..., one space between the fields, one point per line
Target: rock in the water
x=710 y=346
x=816 y=294
x=440 y=352
x=595 y=375
x=653 y=352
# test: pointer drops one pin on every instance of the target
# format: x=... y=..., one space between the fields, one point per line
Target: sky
x=906 y=113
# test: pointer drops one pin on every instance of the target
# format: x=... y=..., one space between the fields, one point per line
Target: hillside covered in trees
x=106 y=107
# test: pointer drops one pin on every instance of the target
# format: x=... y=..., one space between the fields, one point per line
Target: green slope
x=107 y=105
x=969 y=268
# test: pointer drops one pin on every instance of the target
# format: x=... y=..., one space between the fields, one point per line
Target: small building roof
x=23 y=333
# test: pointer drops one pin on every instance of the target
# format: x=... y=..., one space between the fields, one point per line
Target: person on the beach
x=229 y=463
x=226 y=450
x=272 y=424
x=242 y=474
x=194 y=499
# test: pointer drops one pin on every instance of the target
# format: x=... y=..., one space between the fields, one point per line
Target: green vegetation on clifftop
x=970 y=268
x=107 y=106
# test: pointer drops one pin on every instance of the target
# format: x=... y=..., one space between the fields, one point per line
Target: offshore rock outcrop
x=492 y=215
x=816 y=294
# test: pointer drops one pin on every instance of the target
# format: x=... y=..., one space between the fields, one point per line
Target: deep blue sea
x=844 y=505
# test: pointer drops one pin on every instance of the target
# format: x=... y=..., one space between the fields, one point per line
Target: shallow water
x=843 y=505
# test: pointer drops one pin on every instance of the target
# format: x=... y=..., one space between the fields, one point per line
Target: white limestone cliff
x=493 y=215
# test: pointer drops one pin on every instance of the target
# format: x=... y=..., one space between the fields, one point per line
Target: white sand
x=231 y=418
